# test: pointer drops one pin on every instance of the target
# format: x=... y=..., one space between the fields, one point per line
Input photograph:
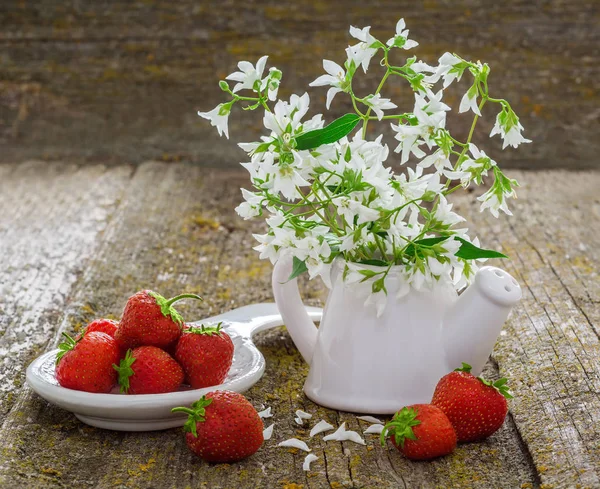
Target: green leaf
x=329 y=134
x=298 y=268
x=468 y=251
x=427 y=242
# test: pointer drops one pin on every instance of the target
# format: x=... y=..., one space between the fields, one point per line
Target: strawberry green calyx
x=196 y=414
x=499 y=385
x=401 y=426
x=166 y=305
x=125 y=371
x=206 y=330
x=465 y=368
x=66 y=346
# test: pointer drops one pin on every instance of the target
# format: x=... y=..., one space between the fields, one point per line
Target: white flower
x=449 y=68
x=350 y=208
x=271 y=83
x=469 y=101
x=336 y=77
x=512 y=136
x=285 y=114
x=410 y=140
x=379 y=104
x=444 y=214
x=494 y=202
x=218 y=118
x=362 y=52
x=401 y=39
x=438 y=159
x=252 y=205
x=248 y=74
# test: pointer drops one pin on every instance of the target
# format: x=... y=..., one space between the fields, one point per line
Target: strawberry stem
x=173 y=300
x=465 y=368
x=166 y=305
x=195 y=415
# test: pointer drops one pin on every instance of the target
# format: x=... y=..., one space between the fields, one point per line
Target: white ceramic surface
x=365 y=364
x=149 y=412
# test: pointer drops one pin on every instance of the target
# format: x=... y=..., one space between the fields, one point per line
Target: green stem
x=183 y=410
x=172 y=301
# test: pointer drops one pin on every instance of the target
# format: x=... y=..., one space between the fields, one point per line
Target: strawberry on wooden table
x=222 y=427
x=421 y=432
x=85 y=364
x=476 y=407
x=206 y=354
x=148 y=370
x=150 y=319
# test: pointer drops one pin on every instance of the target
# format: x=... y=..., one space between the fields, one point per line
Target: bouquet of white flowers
x=327 y=193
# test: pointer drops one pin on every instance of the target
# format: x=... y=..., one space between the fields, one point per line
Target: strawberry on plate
x=222 y=427
x=107 y=326
x=476 y=407
x=85 y=364
x=150 y=319
x=206 y=354
x=148 y=370
x=420 y=432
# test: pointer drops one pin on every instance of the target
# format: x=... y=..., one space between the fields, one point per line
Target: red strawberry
x=150 y=319
x=206 y=354
x=107 y=326
x=421 y=432
x=222 y=427
x=148 y=370
x=475 y=407
x=85 y=364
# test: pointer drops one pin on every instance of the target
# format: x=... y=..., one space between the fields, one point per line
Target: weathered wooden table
x=75 y=241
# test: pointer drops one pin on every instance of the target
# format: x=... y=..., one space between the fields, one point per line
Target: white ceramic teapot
x=365 y=364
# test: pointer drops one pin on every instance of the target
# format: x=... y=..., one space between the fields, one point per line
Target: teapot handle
x=295 y=317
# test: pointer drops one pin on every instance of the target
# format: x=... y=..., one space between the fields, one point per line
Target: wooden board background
x=121 y=80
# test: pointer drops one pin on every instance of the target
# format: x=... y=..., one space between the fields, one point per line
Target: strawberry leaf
x=206 y=330
x=125 y=371
x=401 y=426
x=66 y=346
x=465 y=368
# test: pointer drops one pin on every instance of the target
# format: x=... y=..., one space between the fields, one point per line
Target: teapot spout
x=475 y=320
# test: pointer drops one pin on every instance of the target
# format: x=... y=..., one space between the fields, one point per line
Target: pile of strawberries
x=149 y=351
x=464 y=408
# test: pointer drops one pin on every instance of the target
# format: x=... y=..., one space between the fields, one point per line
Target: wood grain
x=122 y=80
x=171 y=226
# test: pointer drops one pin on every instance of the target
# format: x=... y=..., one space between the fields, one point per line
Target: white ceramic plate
x=147 y=412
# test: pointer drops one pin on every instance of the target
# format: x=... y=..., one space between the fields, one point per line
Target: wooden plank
x=122 y=80
x=52 y=216
x=551 y=349
x=175 y=229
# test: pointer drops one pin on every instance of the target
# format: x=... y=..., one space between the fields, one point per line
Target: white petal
x=320 y=427
x=303 y=415
x=332 y=92
x=342 y=435
x=295 y=443
x=266 y=413
x=299 y=421
x=323 y=80
x=260 y=65
x=268 y=432
x=374 y=428
x=311 y=457
x=369 y=419
x=245 y=66
x=332 y=68
x=409 y=44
